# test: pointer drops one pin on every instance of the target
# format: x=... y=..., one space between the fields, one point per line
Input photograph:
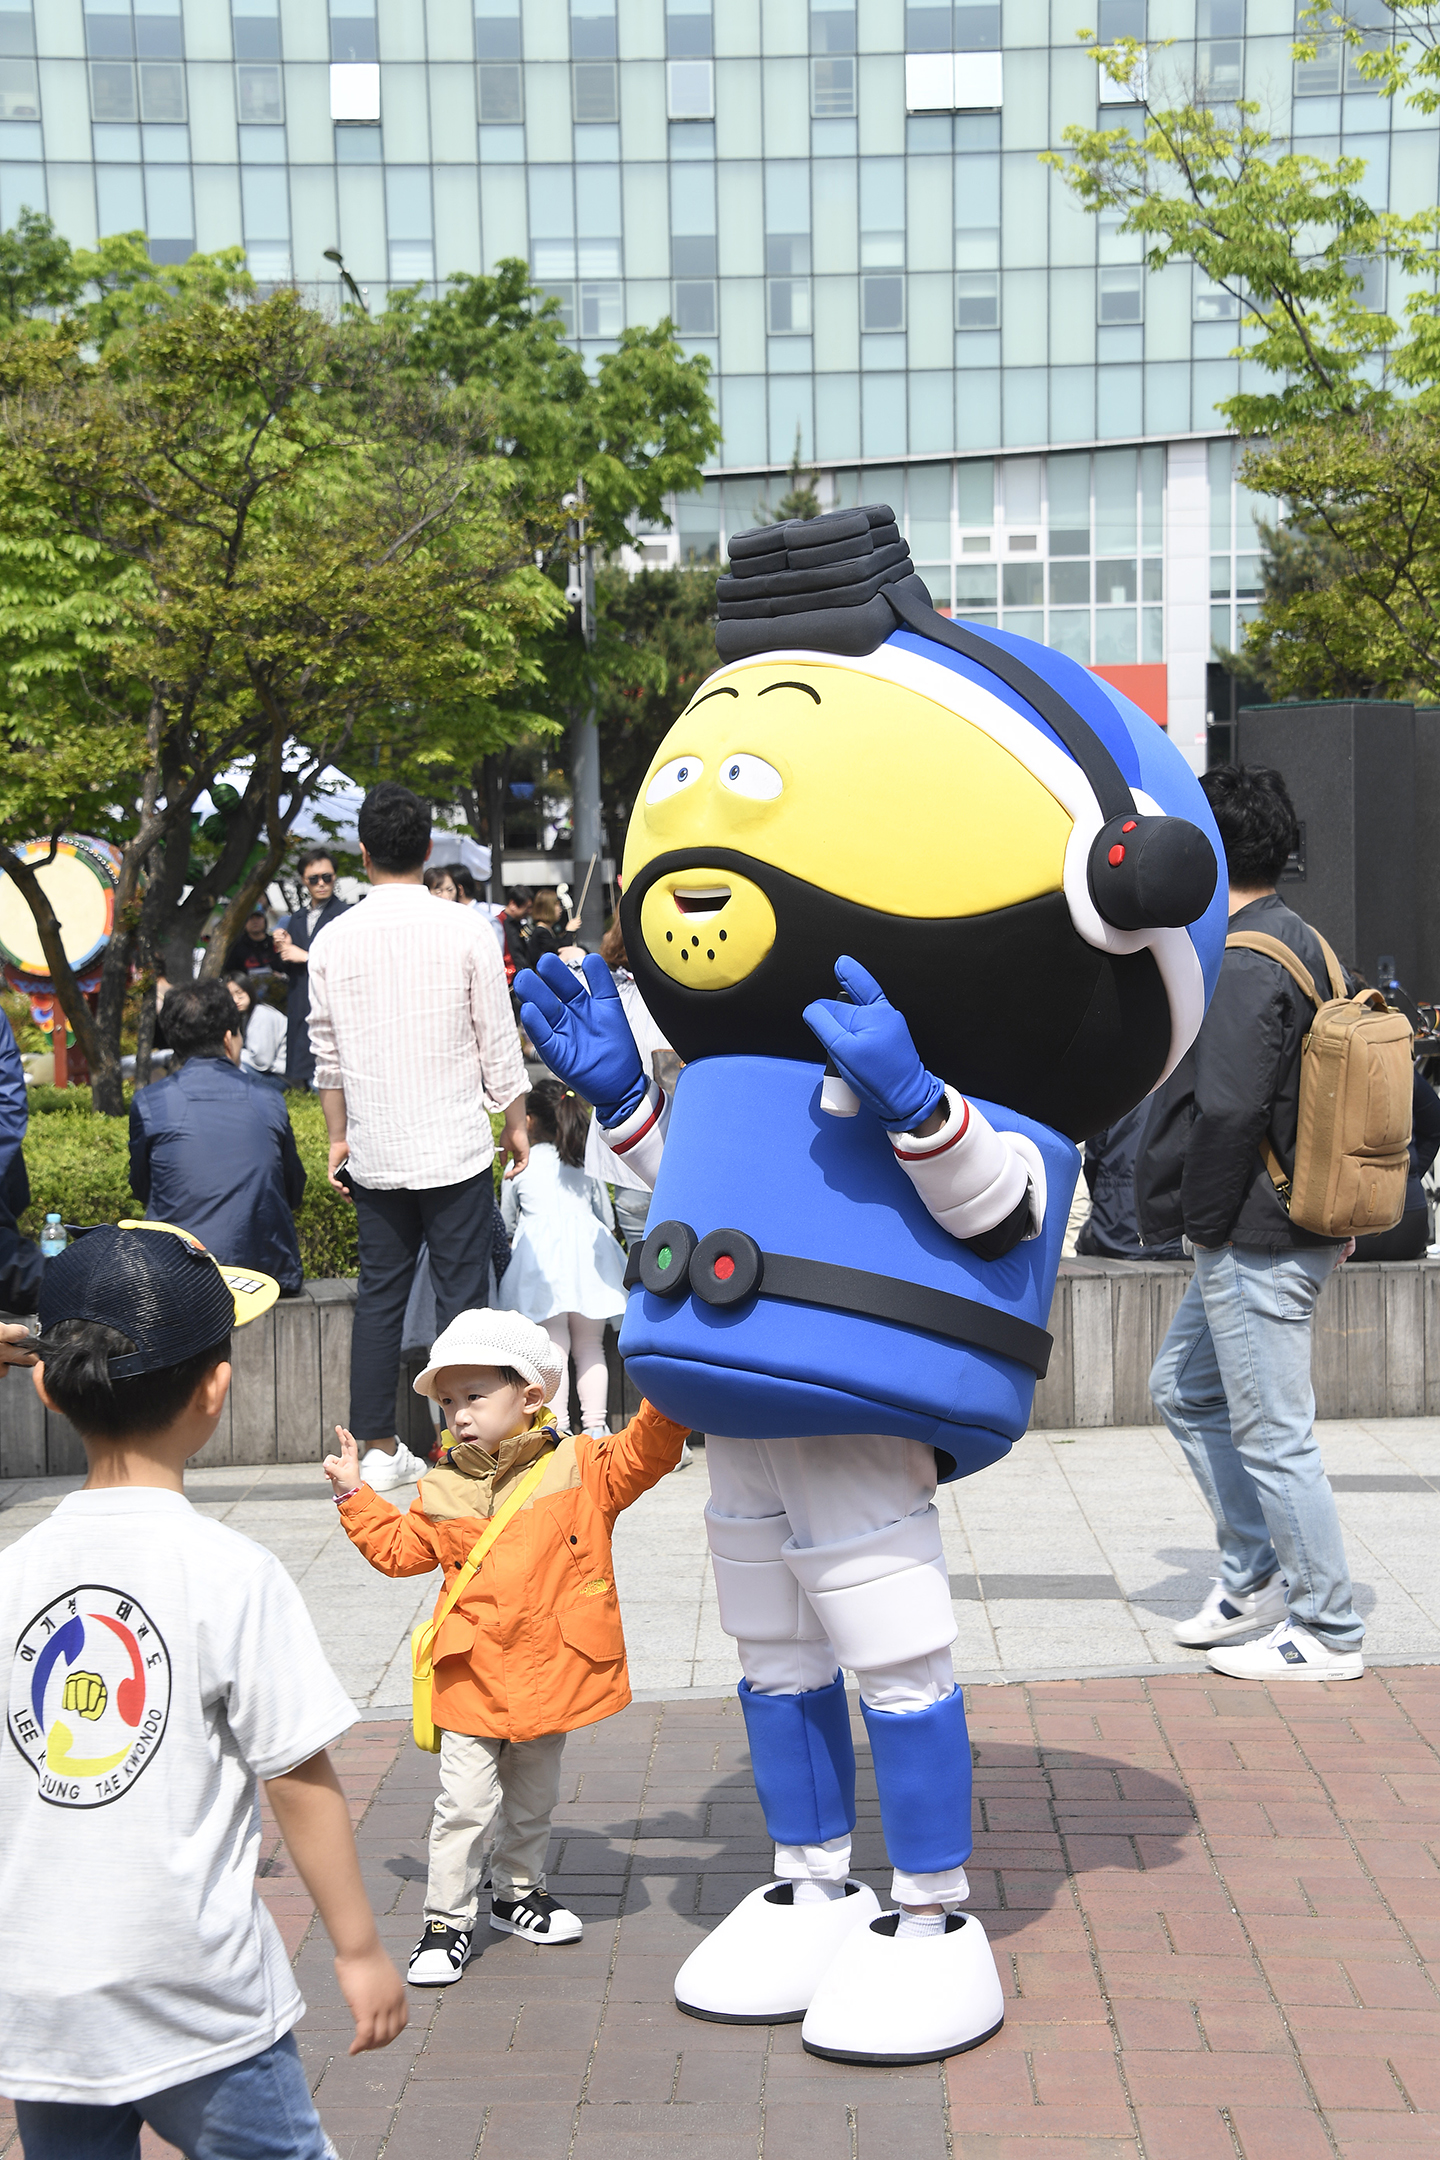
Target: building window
x=832 y=87
x=112 y=90
x=497 y=30
x=595 y=90
x=1119 y=295
x=255 y=25
x=787 y=263
x=695 y=307
x=1121 y=19
x=19 y=90
x=601 y=312
x=411 y=226
x=352 y=31
x=354 y=91
x=162 y=91
x=977 y=26
x=690 y=87
x=259 y=96
x=592 y=29
x=832 y=29
x=1024 y=584
x=882 y=303
x=1219 y=29
x=1210 y=302
x=977 y=300
x=501 y=95
x=1320 y=77
x=108 y=36
x=358 y=145
x=689 y=30
x=927 y=29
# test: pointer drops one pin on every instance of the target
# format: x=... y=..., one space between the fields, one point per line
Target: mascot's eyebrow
x=725 y=690
x=805 y=686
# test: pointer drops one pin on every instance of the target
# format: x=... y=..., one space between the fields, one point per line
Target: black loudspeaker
x=1358 y=778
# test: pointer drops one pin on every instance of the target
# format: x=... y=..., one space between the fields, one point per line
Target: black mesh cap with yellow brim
x=156 y=1284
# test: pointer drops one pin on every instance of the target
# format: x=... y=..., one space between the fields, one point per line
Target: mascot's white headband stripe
x=1174 y=950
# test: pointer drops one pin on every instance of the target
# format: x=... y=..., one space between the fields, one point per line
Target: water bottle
x=53 y=1239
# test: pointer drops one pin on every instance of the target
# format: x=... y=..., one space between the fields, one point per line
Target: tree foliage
x=1340 y=400
x=238 y=538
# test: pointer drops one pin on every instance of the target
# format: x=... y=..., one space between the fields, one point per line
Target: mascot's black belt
x=727 y=1266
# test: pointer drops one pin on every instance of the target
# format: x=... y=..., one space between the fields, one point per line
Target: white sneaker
x=440 y=1956
x=537 y=1916
x=1288 y=1652
x=382 y=1471
x=687 y=1456
x=1227 y=1614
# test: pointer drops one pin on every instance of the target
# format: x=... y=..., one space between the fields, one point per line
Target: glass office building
x=843 y=207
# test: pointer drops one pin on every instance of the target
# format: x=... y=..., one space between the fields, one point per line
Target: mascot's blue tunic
x=750 y=1147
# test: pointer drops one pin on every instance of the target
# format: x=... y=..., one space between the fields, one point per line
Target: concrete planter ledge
x=1377 y=1354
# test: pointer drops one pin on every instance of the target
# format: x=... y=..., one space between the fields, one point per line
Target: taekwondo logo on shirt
x=89 y=1695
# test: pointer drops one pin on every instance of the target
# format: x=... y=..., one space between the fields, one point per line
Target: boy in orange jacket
x=533 y=1648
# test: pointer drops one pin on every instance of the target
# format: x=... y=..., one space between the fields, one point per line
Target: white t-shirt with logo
x=159 y=1665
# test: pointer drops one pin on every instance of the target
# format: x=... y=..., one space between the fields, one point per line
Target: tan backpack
x=1357 y=1090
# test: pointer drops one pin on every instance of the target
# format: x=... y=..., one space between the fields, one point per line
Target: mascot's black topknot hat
x=825 y=583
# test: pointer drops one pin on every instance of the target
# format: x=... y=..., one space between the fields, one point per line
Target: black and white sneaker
x=440 y=1956
x=537 y=1917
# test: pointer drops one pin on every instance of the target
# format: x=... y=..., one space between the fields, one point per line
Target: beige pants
x=508 y=1785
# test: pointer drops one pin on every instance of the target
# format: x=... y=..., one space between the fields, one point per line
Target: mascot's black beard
x=1012 y=1006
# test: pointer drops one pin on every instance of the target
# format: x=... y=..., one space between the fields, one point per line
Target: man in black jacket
x=1232 y=1380
x=293 y=939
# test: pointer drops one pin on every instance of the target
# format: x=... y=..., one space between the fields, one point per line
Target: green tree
x=663 y=623
x=240 y=538
x=1347 y=430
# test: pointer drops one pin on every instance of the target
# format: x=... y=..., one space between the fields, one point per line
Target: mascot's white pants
x=827 y=1554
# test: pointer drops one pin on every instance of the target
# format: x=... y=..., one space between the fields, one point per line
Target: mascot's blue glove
x=869 y=1044
x=583 y=1035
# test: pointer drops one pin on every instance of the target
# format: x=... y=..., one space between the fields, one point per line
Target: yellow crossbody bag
x=422 y=1639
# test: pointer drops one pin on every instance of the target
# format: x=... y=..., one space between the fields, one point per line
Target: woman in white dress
x=566 y=1269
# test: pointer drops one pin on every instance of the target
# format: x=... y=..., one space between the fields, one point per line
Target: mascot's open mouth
x=701 y=900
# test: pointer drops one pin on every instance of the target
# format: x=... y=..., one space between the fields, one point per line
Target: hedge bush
x=79 y=1166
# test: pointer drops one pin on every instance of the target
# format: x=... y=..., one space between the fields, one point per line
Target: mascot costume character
x=920 y=906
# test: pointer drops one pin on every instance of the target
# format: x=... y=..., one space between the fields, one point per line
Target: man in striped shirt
x=414 y=1045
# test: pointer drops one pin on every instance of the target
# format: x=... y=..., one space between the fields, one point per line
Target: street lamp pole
x=587 y=877
x=334 y=255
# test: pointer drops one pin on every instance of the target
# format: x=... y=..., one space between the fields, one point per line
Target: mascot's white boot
x=763 y=1963
x=887 y=1998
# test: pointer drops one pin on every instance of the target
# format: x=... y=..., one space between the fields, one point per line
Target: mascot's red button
x=1117 y=856
x=724 y=1267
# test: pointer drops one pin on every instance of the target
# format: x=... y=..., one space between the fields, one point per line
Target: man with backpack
x=1232 y=1380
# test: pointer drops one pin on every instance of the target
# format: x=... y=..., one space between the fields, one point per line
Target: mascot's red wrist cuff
x=941 y=1147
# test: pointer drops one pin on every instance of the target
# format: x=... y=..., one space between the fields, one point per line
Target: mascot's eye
x=681 y=772
x=747 y=775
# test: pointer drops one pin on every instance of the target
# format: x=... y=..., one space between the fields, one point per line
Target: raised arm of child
x=396 y=1544
x=623 y=1465
x=315 y=1824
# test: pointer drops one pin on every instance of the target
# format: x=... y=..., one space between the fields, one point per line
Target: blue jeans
x=1232 y=1382
x=260 y=2109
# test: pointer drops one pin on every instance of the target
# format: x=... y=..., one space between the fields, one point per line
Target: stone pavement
x=1215 y=1908
x=1069 y=1559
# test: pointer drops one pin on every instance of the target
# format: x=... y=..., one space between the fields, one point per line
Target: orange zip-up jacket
x=534 y=1644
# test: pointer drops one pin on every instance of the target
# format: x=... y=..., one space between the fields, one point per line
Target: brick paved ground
x=1212 y=1905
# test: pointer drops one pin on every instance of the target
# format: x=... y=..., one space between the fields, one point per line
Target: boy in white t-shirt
x=159 y=1665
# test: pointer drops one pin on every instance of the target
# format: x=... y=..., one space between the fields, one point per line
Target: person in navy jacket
x=211 y=1150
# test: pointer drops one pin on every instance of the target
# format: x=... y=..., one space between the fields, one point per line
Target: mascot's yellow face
x=861 y=787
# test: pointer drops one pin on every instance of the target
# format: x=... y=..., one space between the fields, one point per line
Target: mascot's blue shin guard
x=922 y=1774
x=804 y=1762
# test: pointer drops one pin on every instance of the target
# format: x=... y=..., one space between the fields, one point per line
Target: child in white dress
x=566 y=1269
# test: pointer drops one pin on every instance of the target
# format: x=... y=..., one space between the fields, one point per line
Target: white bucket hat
x=495 y=1338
